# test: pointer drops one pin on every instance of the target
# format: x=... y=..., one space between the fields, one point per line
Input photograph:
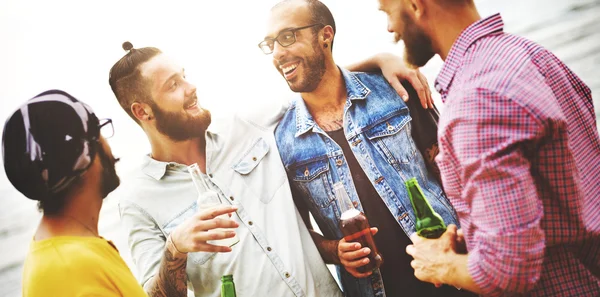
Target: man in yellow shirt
x=54 y=153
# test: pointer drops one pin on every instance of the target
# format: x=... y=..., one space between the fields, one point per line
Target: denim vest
x=377 y=125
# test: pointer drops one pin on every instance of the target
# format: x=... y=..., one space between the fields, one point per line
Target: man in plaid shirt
x=519 y=157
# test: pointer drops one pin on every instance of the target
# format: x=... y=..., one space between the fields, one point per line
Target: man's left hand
x=432 y=257
x=394 y=70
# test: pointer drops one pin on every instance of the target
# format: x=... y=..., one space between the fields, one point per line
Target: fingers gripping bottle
x=355 y=228
x=209 y=198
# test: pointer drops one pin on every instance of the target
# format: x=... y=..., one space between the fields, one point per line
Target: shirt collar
x=484 y=27
x=157 y=169
x=355 y=89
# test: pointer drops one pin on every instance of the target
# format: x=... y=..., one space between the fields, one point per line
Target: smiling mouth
x=192 y=104
x=289 y=69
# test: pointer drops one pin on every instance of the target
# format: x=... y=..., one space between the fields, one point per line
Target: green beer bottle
x=227 y=286
x=429 y=223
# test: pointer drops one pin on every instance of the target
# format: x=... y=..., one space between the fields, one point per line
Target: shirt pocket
x=197 y=258
x=314 y=181
x=261 y=172
x=392 y=137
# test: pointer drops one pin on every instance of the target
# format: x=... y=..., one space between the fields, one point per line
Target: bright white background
x=71 y=45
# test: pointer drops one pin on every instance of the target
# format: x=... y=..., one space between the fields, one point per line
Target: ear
x=417 y=7
x=327 y=36
x=142 y=111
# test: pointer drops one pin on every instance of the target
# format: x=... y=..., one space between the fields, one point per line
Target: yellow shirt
x=77 y=266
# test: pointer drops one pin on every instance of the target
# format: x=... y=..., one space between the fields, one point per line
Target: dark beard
x=109 y=180
x=315 y=69
x=179 y=128
x=418 y=48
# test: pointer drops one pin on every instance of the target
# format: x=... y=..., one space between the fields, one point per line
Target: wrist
x=452 y=270
x=172 y=248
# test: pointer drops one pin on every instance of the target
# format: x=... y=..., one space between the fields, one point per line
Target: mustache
x=191 y=100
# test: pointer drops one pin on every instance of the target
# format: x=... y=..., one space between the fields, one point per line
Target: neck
x=79 y=217
x=452 y=22
x=330 y=93
x=185 y=152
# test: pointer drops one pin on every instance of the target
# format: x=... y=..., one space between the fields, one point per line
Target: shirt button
x=254 y=159
x=250 y=223
x=339 y=162
x=269 y=248
x=355 y=203
x=210 y=175
x=231 y=198
x=287 y=275
x=390 y=128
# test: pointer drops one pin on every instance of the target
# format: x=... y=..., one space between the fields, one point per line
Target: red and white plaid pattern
x=520 y=160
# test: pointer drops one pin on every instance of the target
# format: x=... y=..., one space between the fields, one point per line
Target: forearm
x=327 y=248
x=371 y=64
x=458 y=274
x=171 y=279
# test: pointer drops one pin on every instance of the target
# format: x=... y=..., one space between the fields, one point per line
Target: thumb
x=374 y=230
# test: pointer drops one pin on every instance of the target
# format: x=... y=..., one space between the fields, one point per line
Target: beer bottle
x=355 y=228
x=227 y=286
x=208 y=198
x=429 y=223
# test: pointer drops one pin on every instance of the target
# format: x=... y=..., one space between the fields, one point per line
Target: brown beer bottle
x=355 y=228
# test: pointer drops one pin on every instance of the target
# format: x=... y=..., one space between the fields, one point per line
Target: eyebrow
x=284 y=29
x=173 y=76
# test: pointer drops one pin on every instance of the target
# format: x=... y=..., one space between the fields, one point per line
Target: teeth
x=289 y=68
x=193 y=104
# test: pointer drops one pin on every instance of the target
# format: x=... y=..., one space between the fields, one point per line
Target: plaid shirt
x=520 y=160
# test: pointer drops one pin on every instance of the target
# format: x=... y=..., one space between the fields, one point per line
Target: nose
x=278 y=51
x=190 y=90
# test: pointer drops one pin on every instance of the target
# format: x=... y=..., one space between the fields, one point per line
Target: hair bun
x=127 y=46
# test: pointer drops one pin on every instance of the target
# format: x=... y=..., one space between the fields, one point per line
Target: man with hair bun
x=54 y=153
x=240 y=161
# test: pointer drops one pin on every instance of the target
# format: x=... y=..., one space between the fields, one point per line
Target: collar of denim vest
x=484 y=27
x=157 y=169
x=355 y=89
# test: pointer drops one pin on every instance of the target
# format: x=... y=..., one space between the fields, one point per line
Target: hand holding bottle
x=194 y=234
x=353 y=256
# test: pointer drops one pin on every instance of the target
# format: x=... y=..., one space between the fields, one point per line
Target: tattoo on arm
x=171 y=280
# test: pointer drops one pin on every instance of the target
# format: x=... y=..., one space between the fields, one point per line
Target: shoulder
x=370 y=80
x=500 y=62
x=287 y=126
x=69 y=254
x=502 y=70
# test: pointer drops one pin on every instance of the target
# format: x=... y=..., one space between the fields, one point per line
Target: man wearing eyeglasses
x=352 y=128
x=55 y=152
x=275 y=255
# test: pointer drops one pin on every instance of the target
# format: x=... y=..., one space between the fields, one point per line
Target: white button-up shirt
x=276 y=255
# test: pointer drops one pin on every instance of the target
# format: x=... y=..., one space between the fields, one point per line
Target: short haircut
x=126 y=79
x=319 y=14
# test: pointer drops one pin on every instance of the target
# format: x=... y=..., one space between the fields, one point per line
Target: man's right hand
x=191 y=235
x=353 y=256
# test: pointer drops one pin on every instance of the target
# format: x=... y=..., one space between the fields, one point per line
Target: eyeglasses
x=106 y=128
x=285 y=38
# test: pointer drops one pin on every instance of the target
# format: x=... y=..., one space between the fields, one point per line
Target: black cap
x=47 y=144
